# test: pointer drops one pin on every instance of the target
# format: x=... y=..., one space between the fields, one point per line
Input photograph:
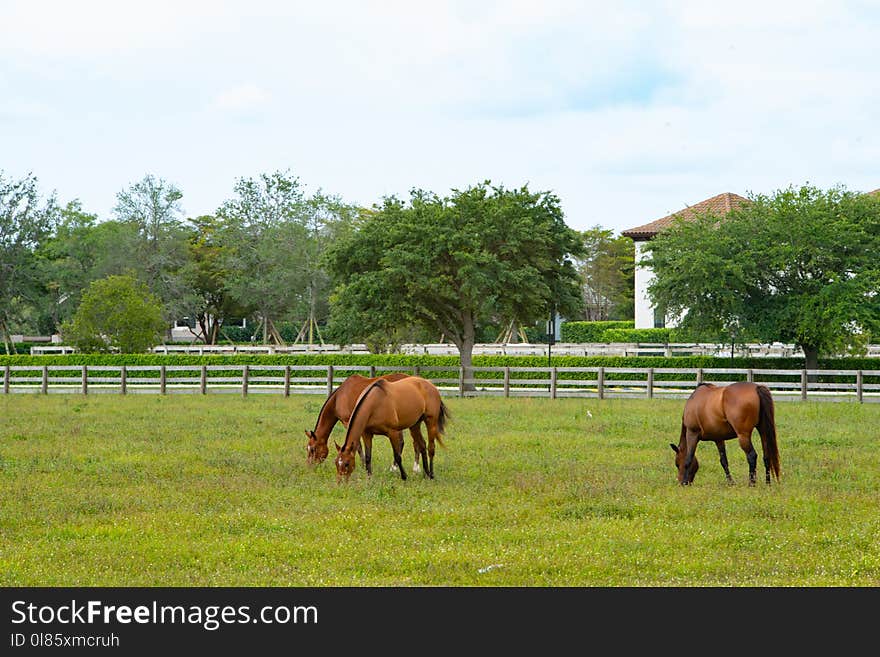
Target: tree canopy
x=607 y=267
x=481 y=255
x=798 y=266
x=116 y=312
x=26 y=219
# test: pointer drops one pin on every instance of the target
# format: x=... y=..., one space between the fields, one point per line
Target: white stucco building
x=646 y=316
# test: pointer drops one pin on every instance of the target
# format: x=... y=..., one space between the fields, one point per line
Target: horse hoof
x=416 y=467
x=393 y=467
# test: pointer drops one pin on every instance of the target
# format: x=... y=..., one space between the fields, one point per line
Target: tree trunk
x=811 y=360
x=203 y=323
x=466 y=350
x=465 y=346
x=7 y=340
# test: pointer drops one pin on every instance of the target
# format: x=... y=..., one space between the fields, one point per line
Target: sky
x=627 y=111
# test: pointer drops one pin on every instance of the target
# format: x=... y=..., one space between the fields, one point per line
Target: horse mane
x=323 y=406
x=379 y=383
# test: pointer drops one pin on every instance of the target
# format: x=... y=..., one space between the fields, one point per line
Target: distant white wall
x=644 y=310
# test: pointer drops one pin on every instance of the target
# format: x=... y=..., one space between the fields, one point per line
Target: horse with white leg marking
x=387 y=408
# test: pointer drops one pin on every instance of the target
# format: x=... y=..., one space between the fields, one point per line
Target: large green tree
x=478 y=256
x=80 y=250
x=326 y=216
x=152 y=206
x=607 y=268
x=26 y=220
x=264 y=239
x=207 y=275
x=799 y=266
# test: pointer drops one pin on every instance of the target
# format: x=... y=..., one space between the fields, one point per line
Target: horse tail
x=767 y=428
x=442 y=418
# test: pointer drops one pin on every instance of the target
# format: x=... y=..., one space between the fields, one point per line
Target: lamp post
x=551 y=340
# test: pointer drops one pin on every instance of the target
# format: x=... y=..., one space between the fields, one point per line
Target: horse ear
x=308 y=434
x=674 y=448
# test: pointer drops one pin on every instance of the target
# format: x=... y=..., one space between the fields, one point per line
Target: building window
x=659 y=318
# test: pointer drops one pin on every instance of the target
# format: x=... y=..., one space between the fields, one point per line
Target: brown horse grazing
x=338 y=407
x=719 y=413
x=387 y=408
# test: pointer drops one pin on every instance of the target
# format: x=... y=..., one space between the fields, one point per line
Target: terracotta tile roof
x=876 y=192
x=718 y=205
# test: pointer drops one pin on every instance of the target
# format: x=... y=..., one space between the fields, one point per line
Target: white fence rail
x=554 y=382
x=512 y=349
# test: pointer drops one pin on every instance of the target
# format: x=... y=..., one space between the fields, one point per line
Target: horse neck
x=357 y=423
x=327 y=419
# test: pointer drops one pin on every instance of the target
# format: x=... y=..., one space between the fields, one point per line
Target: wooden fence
x=554 y=382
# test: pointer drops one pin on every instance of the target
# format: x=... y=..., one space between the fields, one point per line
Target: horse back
x=742 y=405
x=704 y=411
x=722 y=411
x=346 y=395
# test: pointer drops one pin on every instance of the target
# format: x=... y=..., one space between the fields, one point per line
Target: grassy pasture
x=187 y=490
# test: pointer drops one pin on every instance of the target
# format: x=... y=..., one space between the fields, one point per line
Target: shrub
x=117 y=312
x=590 y=331
x=651 y=335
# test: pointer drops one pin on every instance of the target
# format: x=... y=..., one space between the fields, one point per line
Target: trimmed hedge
x=339 y=361
x=590 y=331
x=650 y=335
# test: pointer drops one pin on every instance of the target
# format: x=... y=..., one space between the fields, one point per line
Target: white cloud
x=243 y=98
x=627 y=110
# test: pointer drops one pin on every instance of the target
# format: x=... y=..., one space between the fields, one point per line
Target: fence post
x=162 y=379
x=203 y=380
x=699 y=375
x=650 y=385
x=44 y=386
x=461 y=382
x=329 y=380
x=803 y=385
x=287 y=380
x=6 y=380
x=600 y=382
x=372 y=371
x=859 y=386
x=123 y=380
x=85 y=379
x=507 y=381
x=417 y=371
x=244 y=380
x=553 y=378
x=750 y=376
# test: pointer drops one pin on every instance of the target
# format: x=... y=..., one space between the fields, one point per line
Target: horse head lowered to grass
x=388 y=408
x=719 y=413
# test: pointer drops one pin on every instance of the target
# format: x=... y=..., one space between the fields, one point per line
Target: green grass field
x=214 y=491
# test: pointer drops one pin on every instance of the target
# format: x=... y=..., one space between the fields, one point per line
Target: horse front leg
x=691 y=440
x=722 y=454
x=368 y=452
